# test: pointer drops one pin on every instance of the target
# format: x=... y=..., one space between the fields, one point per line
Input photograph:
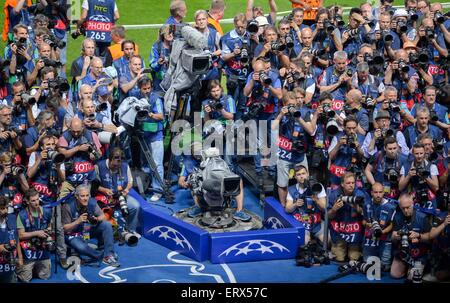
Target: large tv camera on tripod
x=131 y=113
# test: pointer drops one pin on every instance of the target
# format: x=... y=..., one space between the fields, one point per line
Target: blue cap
x=102 y=90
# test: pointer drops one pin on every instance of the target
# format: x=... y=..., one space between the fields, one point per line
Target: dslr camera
x=215 y=105
x=81 y=29
x=265 y=78
x=352 y=200
x=122 y=202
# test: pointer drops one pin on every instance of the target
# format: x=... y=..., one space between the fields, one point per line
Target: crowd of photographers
x=360 y=107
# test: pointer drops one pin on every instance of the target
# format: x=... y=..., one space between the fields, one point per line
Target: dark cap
x=382 y=114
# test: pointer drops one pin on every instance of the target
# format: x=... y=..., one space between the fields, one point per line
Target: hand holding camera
x=82 y=218
x=299 y=202
x=84 y=147
x=338 y=204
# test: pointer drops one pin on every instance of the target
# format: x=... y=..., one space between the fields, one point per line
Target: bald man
x=378 y=216
x=97 y=77
x=353 y=107
x=411 y=227
x=81 y=148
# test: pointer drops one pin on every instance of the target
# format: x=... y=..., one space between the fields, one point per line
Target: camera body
x=429 y=33
x=392 y=175
x=352 y=33
x=394 y=106
x=245 y=56
x=59 y=83
x=293 y=111
x=81 y=29
x=403 y=66
x=54 y=42
x=253 y=27
x=351 y=142
x=264 y=77
x=277 y=46
x=402 y=26
x=215 y=105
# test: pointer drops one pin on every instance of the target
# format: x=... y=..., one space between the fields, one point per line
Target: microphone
x=194 y=38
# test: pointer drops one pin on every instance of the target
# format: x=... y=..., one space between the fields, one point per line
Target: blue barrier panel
x=275 y=217
x=254 y=245
x=173 y=233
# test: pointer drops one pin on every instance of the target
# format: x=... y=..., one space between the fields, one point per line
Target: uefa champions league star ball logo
x=262 y=246
x=100 y=18
x=167 y=232
x=274 y=223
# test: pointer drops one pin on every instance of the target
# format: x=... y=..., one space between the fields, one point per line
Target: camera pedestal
x=221 y=221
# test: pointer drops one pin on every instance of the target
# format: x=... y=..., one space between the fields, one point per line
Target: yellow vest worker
x=116 y=50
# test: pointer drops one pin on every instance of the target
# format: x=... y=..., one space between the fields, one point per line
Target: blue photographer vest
x=100 y=20
x=83 y=168
x=380 y=167
x=382 y=213
x=40 y=182
x=414 y=183
x=8 y=235
x=309 y=214
x=112 y=180
x=347 y=224
x=213 y=73
x=31 y=252
x=74 y=214
x=332 y=77
x=234 y=66
x=286 y=151
x=417 y=224
x=343 y=160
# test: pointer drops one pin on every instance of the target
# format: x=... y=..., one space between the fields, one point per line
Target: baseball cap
x=102 y=90
x=401 y=12
x=409 y=44
x=262 y=20
x=382 y=114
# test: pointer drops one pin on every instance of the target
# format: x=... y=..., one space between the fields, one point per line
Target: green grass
x=157 y=11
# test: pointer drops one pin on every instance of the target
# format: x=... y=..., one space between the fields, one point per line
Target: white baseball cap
x=262 y=20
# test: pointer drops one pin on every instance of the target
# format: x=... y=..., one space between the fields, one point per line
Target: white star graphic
x=164 y=235
x=244 y=251
x=264 y=249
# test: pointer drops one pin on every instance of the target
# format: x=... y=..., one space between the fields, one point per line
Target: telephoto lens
x=123 y=205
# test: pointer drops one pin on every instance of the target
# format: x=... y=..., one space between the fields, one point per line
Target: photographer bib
x=34 y=249
x=100 y=20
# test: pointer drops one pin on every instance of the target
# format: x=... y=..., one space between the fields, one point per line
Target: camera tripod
x=147 y=152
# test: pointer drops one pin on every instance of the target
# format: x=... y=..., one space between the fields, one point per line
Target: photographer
x=153 y=132
x=385 y=38
x=93 y=120
x=419 y=177
x=160 y=55
x=9 y=139
x=237 y=52
x=97 y=77
x=22 y=112
x=10 y=252
x=438 y=112
x=43 y=91
x=44 y=174
x=378 y=213
x=271 y=49
x=45 y=126
x=384 y=167
x=219 y=106
x=81 y=148
x=421 y=126
x=345 y=151
x=325 y=35
x=292 y=46
x=82 y=220
x=293 y=125
x=399 y=113
x=12 y=181
x=301 y=75
x=355 y=33
x=353 y=107
x=345 y=209
x=80 y=67
x=18 y=12
x=42 y=61
x=263 y=89
x=321 y=139
x=36 y=239
x=370 y=86
x=128 y=82
x=373 y=142
x=403 y=77
x=305 y=205
x=434 y=152
x=410 y=235
x=116 y=180
x=427 y=39
x=90 y=12
x=20 y=53
x=336 y=79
